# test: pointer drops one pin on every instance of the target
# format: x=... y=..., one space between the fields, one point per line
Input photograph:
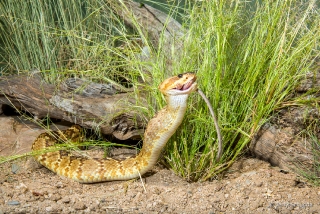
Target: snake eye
x=180 y=75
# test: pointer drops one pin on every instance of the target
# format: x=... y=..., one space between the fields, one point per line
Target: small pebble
x=259 y=184
x=59 y=185
x=65 y=200
x=48 y=209
x=15 y=168
x=79 y=205
x=13 y=203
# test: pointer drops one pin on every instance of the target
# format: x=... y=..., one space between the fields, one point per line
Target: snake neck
x=160 y=129
x=177 y=103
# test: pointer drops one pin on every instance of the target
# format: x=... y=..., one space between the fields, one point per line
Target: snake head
x=179 y=85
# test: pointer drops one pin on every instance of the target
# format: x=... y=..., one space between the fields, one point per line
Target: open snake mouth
x=185 y=86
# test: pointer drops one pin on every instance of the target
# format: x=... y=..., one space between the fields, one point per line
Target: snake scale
x=159 y=129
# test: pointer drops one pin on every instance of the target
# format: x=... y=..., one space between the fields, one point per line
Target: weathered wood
x=92 y=107
x=152 y=21
x=283 y=147
x=153 y=24
x=285 y=141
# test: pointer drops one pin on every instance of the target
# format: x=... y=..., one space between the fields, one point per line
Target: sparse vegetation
x=248 y=58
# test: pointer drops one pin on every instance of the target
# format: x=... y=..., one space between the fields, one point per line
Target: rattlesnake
x=159 y=129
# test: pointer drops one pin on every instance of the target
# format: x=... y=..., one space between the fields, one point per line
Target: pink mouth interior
x=185 y=86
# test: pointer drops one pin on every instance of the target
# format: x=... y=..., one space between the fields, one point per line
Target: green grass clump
x=248 y=59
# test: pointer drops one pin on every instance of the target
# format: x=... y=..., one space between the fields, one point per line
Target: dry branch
x=91 y=108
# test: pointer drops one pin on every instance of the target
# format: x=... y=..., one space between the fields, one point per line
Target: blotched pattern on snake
x=159 y=129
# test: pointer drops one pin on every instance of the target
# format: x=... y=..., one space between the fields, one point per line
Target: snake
x=159 y=130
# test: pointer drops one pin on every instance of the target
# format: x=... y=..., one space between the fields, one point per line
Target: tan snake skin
x=160 y=128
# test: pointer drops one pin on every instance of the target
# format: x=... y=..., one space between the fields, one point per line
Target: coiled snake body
x=159 y=129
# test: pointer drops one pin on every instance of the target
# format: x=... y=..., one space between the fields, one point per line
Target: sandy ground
x=249 y=186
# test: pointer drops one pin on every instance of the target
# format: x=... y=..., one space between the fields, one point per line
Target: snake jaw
x=186 y=88
x=179 y=85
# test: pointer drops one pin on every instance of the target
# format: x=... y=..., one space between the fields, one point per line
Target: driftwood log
x=283 y=146
x=95 y=106
x=290 y=139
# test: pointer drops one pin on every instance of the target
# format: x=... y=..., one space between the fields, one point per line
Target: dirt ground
x=249 y=186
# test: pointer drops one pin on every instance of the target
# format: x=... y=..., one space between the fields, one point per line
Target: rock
x=65 y=199
x=55 y=197
x=17 y=136
x=48 y=209
x=79 y=205
x=282 y=147
x=15 y=168
x=13 y=203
